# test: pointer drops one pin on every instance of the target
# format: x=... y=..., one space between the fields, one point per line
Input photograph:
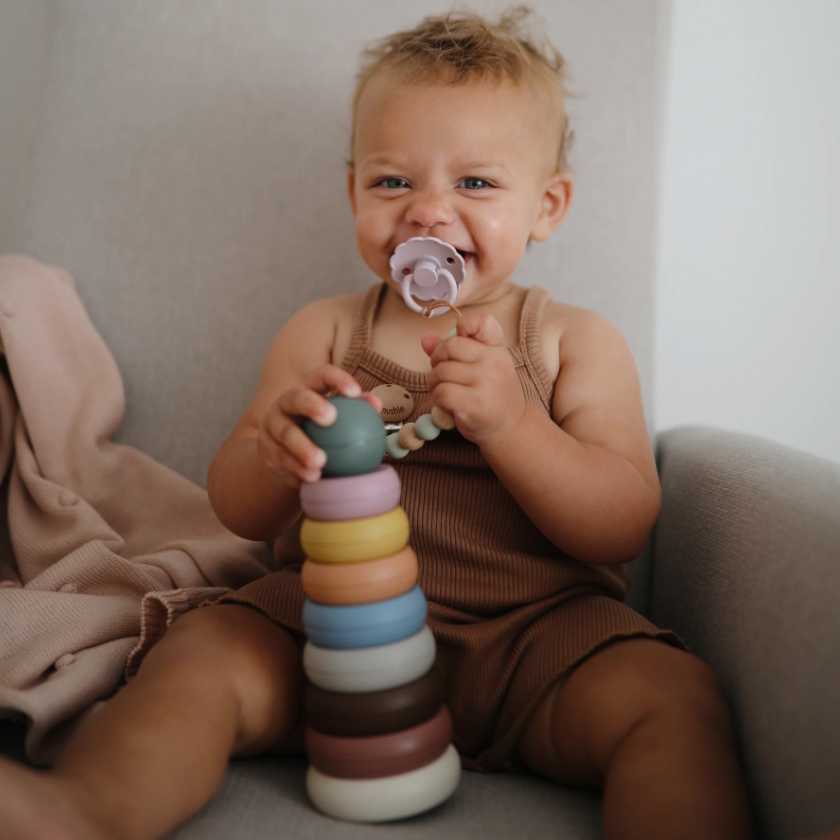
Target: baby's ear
x=555 y=202
x=351 y=188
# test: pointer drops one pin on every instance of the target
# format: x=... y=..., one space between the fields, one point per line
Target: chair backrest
x=188 y=171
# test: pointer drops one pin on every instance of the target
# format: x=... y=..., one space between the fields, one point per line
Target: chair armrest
x=746 y=569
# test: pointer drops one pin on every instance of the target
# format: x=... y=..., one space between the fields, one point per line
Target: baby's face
x=470 y=164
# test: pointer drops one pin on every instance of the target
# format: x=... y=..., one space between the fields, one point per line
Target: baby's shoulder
x=567 y=331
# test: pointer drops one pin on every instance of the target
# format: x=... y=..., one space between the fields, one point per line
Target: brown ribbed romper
x=511 y=613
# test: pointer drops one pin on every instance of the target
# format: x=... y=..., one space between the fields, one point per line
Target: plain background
x=748 y=295
x=748 y=281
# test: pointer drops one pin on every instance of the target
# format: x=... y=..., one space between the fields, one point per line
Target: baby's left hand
x=474 y=379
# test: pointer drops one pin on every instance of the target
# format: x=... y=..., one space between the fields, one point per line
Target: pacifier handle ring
x=428 y=310
x=415 y=307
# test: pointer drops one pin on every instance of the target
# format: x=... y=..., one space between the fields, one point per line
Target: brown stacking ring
x=380 y=755
x=375 y=712
x=362 y=582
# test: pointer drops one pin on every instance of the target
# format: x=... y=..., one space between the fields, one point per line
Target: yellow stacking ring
x=360 y=583
x=352 y=540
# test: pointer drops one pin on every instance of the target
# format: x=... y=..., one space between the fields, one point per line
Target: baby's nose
x=429 y=210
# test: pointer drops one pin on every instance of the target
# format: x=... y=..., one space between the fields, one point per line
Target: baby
x=521 y=516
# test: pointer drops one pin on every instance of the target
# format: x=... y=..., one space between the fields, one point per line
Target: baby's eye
x=474 y=183
x=393 y=183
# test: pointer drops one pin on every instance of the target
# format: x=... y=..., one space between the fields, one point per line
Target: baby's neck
x=397 y=329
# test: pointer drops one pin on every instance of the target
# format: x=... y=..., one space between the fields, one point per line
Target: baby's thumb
x=483 y=328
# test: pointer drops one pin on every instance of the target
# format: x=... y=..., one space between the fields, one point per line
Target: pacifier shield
x=427 y=268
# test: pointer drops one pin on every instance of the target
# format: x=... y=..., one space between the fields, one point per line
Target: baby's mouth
x=468 y=256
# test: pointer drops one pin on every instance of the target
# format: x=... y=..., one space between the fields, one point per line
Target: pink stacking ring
x=361 y=582
x=351 y=496
x=380 y=755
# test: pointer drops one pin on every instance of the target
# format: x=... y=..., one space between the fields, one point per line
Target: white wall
x=748 y=304
x=24 y=40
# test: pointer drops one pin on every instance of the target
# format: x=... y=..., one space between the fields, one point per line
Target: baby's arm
x=254 y=479
x=587 y=478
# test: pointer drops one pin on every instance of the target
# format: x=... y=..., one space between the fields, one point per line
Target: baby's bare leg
x=223 y=681
x=649 y=724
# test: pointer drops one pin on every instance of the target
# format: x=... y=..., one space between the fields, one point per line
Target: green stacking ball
x=354 y=443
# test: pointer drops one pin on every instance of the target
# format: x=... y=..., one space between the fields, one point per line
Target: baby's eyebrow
x=484 y=165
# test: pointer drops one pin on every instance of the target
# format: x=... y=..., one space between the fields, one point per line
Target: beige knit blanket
x=103 y=547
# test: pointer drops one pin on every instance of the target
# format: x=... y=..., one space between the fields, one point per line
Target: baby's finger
x=304 y=402
x=374 y=400
x=284 y=446
x=328 y=378
x=483 y=328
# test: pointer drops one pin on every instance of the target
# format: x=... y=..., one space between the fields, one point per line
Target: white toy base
x=388 y=798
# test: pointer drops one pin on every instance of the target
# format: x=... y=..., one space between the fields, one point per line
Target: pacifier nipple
x=425 y=272
x=427 y=268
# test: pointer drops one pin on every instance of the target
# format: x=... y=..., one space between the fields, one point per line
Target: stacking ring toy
x=370 y=669
x=377 y=712
x=351 y=540
x=388 y=798
x=351 y=496
x=354 y=443
x=360 y=583
x=380 y=755
x=365 y=625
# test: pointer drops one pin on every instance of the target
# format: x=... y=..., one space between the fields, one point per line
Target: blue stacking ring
x=365 y=625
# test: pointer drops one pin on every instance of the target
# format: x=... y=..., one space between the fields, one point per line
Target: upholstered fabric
x=747 y=571
x=189 y=173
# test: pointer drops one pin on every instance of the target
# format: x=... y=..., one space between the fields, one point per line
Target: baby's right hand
x=281 y=443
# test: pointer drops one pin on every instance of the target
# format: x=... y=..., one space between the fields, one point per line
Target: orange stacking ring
x=380 y=755
x=362 y=582
x=352 y=540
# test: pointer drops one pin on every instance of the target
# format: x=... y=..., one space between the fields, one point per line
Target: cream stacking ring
x=351 y=496
x=389 y=797
x=351 y=540
x=370 y=669
x=362 y=582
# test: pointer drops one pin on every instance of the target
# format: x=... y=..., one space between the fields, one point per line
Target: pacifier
x=427 y=268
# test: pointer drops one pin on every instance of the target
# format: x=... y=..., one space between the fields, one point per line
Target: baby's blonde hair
x=461 y=47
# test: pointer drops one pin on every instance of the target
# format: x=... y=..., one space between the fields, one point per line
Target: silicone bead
x=351 y=496
x=354 y=443
x=370 y=669
x=393 y=448
x=388 y=798
x=442 y=419
x=359 y=583
x=426 y=428
x=365 y=625
x=377 y=712
x=375 y=756
x=351 y=540
x=408 y=438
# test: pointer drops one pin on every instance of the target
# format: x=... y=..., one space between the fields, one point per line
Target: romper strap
x=363 y=328
x=530 y=343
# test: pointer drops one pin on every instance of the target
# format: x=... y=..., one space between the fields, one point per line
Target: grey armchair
x=184 y=161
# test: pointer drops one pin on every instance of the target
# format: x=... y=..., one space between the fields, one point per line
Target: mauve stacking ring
x=351 y=496
x=380 y=755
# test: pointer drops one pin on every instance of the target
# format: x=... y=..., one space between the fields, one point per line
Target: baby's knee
x=658 y=680
x=228 y=640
